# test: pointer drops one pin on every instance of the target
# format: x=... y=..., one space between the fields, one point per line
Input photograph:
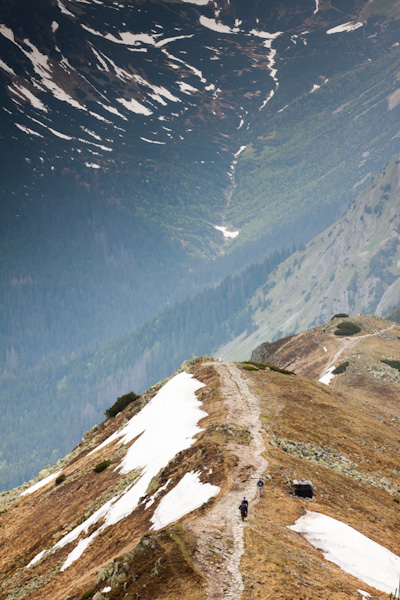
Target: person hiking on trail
x=260 y=485
x=244 y=507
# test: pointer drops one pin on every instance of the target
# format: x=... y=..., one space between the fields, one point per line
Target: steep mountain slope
x=353 y=266
x=364 y=360
x=129 y=132
x=77 y=391
x=162 y=520
x=126 y=127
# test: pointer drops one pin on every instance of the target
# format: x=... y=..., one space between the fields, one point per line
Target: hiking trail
x=220 y=533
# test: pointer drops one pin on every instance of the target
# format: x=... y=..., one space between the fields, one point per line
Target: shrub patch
x=347 y=328
x=341 y=368
x=121 y=403
x=101 y=466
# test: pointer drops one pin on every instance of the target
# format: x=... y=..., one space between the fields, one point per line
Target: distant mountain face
x=352 y=267
x=151 y=148
x=130 y=130
x=146 y=505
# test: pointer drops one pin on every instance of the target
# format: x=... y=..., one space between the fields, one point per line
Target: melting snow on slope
x=64 y=10
x=40 y=63
x=126 y=38
x=219 y=27
x=193 y=69
x=327 y=378
x=345 y=27
x=40 y=484
x=6 y=68
x=351 y=550
x=27 y=130
x=239 y=152
x=188 y=495
x=172 y=39
x=164 y=427
x=152 y=141
x=22 y=92
x=135 y=106
x=316 y=7
x=226 y=233
x=186 y=88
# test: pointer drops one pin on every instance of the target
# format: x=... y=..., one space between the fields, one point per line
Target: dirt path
x=347 y=344
x=220 y=533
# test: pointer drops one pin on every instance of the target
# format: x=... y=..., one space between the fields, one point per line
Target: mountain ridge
x=353 y=266
x=253 y=421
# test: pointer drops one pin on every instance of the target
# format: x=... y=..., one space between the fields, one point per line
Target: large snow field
x=165 y=426
x=351 y=550
x=186 y=496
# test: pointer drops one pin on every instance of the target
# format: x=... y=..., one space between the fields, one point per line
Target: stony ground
x=220 y=533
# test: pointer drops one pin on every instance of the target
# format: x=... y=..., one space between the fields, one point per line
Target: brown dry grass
x=39 y=520
x=279 y=563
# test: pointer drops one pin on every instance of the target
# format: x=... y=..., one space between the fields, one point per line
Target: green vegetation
x=347 y=328
x=251 y=366
x=341 y=368
x=101 y=466
x=347 y=116
x=395 y=364
x=78 y=390
x=87 y=595
x=121 y=403
x=340 y=316
x=60 y=479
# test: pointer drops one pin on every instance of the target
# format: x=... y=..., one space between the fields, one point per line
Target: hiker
x=260 y=485
x=244 y=507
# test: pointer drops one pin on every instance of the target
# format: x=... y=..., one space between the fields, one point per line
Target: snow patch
x=327 y=378
x=6 y=68
x=7 y=32
x=64 y=10
x=265 y=34
x=54 y=26
x=186 y=496
x=193 y=69
x=186 y=88
x=225 y=232
x=351 y=550
x=345 y=27
x=135 y=106
x=113 y=110
x=239 y=152
x=125 y=37
x=165 y=426
x=27 y=130
x=40 y=484
x=162 y=43
x=214 y=26
x=23 y=93
x=152 y=141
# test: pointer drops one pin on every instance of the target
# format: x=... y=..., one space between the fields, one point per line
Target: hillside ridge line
x=220 y=533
